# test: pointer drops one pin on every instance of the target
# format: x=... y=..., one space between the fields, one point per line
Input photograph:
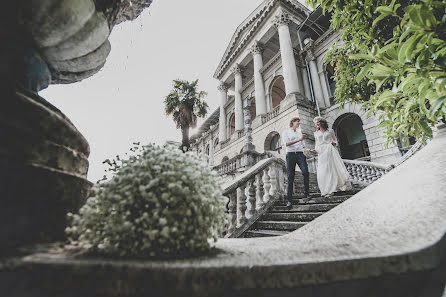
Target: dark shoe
x=289 y=204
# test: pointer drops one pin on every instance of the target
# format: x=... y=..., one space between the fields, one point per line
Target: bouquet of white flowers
x=159 y=202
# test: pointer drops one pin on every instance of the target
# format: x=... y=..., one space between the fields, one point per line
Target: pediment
x=249 y=26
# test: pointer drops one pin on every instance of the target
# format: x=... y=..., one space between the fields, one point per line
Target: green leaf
x=426 y=128
x=437 y=105
x=427 y=17
x=410 y=45
x=364 y=71
x=382 y=70
x=384 y=10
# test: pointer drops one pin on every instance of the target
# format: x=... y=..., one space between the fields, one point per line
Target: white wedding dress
x=332 y=175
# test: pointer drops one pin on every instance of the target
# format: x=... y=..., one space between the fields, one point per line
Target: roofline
x=265 y=4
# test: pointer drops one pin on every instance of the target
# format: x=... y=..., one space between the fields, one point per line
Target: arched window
x=208 y=150
x=277 y=91
x=225 y=159
x=253 y=108
x=215 y=143
x=275 y=143
x=351 y=137
x=272 y=142
x=232 y=124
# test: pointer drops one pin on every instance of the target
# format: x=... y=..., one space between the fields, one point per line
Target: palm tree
x=185 y=103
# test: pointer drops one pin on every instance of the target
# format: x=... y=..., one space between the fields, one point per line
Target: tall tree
x=185 y=103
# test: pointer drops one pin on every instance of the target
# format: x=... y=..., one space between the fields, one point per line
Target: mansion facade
x=273 y=70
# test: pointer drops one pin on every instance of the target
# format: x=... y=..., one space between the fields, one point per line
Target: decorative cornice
x=256 y=48
x=281 y=19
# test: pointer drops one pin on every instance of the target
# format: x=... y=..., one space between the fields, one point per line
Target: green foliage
x=159 y=202
x=185 y=103
x=393 y=61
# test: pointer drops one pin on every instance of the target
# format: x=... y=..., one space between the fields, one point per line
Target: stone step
x=304 y=208
x=317 y=200
x=263 y=233
x=293 y=216
x=277 y=225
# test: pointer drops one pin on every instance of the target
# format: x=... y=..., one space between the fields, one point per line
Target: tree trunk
x=185 y=141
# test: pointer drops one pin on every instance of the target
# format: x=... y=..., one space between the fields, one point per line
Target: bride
x=332 y=176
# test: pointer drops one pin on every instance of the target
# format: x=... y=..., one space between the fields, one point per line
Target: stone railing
x=251 y=194
x=271 y=115
x=365 y=173
x=237 y=162
x=240 y=134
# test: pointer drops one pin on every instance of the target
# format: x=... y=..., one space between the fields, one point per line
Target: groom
x=293 y=139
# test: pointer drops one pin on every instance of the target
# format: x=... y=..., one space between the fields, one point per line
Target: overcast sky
x=123 y=103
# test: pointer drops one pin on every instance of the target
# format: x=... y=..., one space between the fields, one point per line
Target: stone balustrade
x=271 y=115
x=365 y=173
x=237 y=162
x=251 y=194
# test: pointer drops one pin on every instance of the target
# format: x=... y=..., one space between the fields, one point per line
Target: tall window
x=215 y=143
x=253 y=108
x=208 y=150
x=232 y=125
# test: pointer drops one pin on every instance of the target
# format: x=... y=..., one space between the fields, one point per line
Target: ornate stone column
x=248 y=129
x=259 y=85
x=324 y=85
x=315 y=81
x=287 y=55
x=223 y=89
x=238 y=97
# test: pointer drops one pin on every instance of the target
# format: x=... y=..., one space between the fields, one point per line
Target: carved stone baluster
x=252 y=197
x=368 y=174
x=349 y=169
x=354 y=173
x=232 y=211
x=281 y=184
x=373 y=173
x=241 y=217
x=259 y=191
x=266 y=185
x=273 y=179
x=381 y=173
x=363 y=173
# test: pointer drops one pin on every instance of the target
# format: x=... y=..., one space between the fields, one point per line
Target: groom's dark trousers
x=293 y=158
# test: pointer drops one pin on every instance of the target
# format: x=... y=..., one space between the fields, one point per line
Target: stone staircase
x=280 y=220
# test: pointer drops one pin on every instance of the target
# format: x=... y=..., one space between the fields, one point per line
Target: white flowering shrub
x=159 y=202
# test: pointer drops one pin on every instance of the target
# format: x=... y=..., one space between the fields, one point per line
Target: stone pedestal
x=43 y=168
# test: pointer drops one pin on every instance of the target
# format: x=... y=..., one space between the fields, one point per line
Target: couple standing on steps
x=332 y=175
